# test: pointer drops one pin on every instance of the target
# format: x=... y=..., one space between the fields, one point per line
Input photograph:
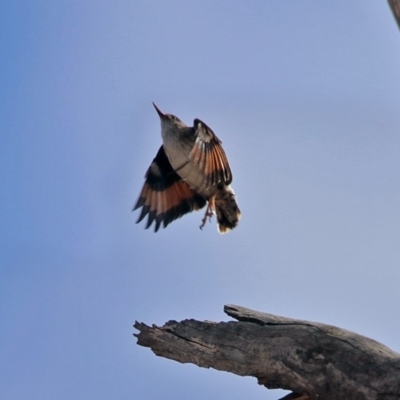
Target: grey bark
x=313 y=360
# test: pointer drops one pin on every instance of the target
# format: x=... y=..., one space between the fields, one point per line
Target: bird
x=189 y=171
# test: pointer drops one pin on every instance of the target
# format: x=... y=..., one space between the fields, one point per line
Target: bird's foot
x=208 y=214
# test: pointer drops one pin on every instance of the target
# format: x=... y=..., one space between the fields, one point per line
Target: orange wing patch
x=209 y=156
x=165 y=197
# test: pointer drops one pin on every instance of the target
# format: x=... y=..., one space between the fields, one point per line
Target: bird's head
x=169 y=121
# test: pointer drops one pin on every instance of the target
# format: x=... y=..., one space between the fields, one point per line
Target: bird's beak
x=159 y=112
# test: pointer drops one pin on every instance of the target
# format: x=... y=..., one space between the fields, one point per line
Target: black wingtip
x=139 y=203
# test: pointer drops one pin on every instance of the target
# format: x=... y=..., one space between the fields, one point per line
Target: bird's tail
x=226 y=209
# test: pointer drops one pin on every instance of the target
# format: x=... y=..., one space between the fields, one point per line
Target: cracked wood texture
x=313 y=360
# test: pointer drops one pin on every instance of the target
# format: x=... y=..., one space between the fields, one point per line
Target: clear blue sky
x=304 y=95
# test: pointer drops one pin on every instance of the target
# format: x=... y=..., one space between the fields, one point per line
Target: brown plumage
x=189 y=170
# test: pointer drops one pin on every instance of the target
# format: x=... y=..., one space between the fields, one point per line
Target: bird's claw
x=209 y=213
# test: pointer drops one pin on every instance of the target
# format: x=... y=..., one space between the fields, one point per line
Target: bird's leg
x=209 y=212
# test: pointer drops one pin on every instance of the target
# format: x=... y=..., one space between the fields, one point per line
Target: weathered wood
x=395 y=6
x=313 y=360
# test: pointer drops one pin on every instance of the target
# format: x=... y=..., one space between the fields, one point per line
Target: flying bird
x=189 y=171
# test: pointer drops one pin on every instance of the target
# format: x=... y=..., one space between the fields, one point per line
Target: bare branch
x=313 y=360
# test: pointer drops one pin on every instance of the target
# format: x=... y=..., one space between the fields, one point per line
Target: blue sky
x=304 y=96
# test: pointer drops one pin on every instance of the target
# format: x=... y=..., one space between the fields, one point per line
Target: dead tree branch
x=313 y=360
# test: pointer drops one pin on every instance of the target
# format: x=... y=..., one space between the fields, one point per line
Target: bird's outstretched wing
x=165 y=197
x=209 y=156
